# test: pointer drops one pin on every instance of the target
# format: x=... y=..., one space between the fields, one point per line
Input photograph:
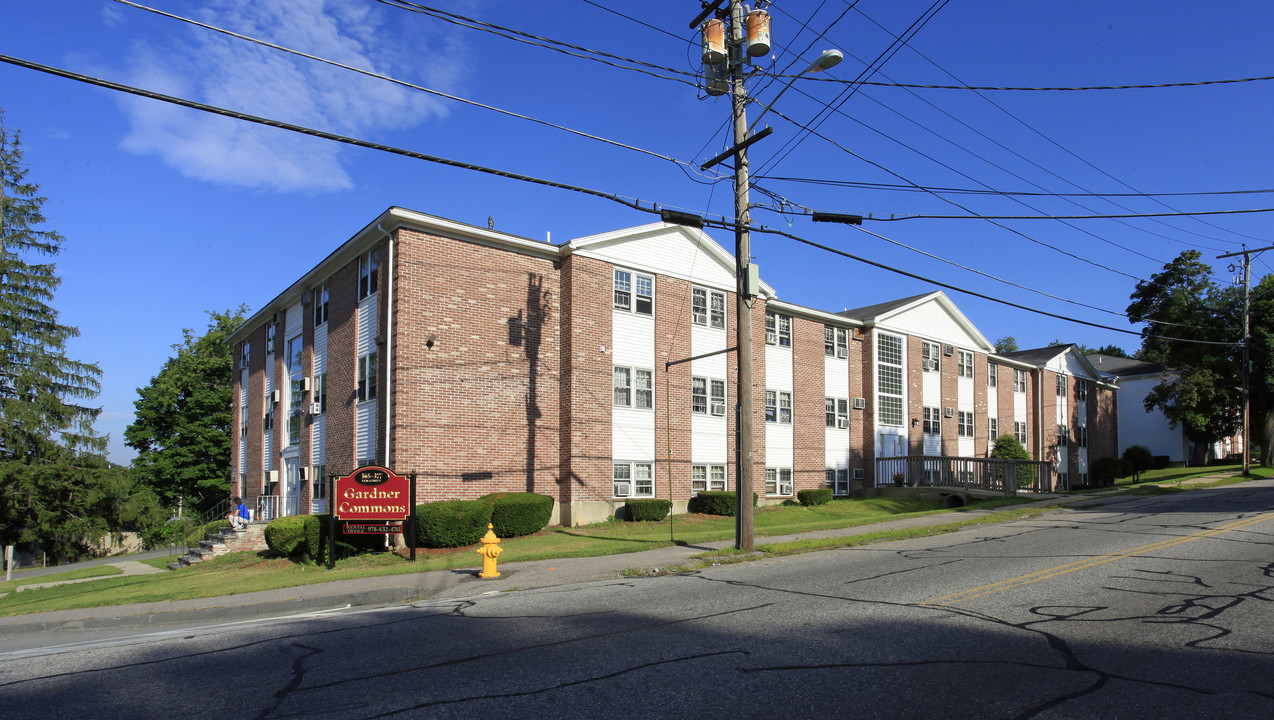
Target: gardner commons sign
x=372 y=493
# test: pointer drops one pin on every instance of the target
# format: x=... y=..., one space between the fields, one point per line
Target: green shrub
x=643 y=509
x=514 y=514
x=1139 y=459
x=815 y=496
x=1105 y=470
x=287 y=535
x=716 y=502
x=452 y=523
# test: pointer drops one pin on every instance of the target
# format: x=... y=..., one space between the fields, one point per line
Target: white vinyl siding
x=632 y=432
x=318 y=426
x=779 y=436
x=709 y=434
x=365 y=411
x=243 y=418
x=269 y=407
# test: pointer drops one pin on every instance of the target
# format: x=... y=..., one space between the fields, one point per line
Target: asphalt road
x=1128 y=608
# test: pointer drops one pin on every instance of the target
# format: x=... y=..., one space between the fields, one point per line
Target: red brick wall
x=981 y=428
x=672 y=389
x=342 y=380
x=915 y=395
x=950 y=399
x=809 y=458
x=477 y=412
x=1103 y=429
x=862 y=380
x=585 y=445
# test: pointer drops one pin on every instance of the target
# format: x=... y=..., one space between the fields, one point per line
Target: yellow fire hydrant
x=489 y=551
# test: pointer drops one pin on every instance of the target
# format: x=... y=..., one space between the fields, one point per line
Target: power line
x=215 y=110
x=1066 y=217
x=403 y=83
x=1147 y=86
x=577 y=51
x=975 y=191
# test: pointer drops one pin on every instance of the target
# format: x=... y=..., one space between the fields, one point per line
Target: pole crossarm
x=670 y=363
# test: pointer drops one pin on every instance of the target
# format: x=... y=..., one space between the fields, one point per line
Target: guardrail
x=1008 y=477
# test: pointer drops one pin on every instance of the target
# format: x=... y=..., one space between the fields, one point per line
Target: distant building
x=488 y=362
x=1134 y=379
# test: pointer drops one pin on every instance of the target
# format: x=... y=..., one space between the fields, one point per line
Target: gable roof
x=1041 y=357
x=1122 y=367
x=896 y=311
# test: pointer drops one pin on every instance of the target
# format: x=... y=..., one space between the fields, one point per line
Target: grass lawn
x=249 y=572
x=88 y=572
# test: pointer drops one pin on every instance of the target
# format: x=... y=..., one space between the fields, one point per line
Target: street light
x=829 y=59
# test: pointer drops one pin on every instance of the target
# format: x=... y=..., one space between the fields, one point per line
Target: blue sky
x=169 y=212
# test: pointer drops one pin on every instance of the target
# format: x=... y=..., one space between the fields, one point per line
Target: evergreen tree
x=50 y=458
x=182 y=428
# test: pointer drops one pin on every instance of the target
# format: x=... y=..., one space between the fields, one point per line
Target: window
x=268 y=421
x=1081 y=390
x=1063 y=436
x=835 y=342
x=994 y=426
x=771 y=406
x=634 y=292
x=836 y=412
x=1061 y=386
x=838 y=479
x=633 y=480
x=707 y=477
x=269 y=338
x=318 y=482
x=1019 y=432
x=964 y=424
x=243 y=424
x=785 y=408
x=1061 y=479
x=247 y=354
x=320 y=305
x=707 y=307
x=992 y=375
x=633 y=387
x=1081 y=435
x=622 y=382
x=645 y=397
x=778 y=481
x=368 y=270
x=929 y=354
x=320 y=392
x=1019 y=381
x=964 y=364
x=778 y=407
x=889 y=379
x=703 y=401
x=367 y=377
x=933 y=421
x=778 y=330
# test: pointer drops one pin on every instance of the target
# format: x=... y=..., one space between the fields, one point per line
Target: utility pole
x=1247 y=341
x=743 y=528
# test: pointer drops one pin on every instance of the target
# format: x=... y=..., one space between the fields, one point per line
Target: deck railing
x=992 y=475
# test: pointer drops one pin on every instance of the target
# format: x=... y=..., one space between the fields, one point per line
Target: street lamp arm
x=829 y=58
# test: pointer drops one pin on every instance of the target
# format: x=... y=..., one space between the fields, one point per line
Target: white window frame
x=318 y=393
x=1081 y=390
x=778 y=329
x=634 y=292
x=368 y=273
x=707 y=308
x=246 y=356
x=964 y=424
x=269 y=337
x=321 y=298
x=699 y=395
x=964 y=364
x=778 y=481
x=930 y=356
x=1019 y=431
x=785 y=407
x=1019 y=381
x=835 y=341
x=637 y=389
x=621 y=386
x=993 y=426
x=836 y=412
x=1081 y=435
x=1061 y=385
x=630 y=473
x=704 y=478
x=992 y=375
x=368 y=377
x=889 y=405
x=932 y=420
x=1063 y=435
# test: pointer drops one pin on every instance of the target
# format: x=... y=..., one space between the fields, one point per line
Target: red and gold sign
x=372 y=493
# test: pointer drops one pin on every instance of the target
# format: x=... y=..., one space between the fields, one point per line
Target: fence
x=1008 y=477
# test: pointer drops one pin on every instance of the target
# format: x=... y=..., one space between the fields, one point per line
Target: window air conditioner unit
x=860 y=403
x=858 y=473
x=274 y=396
x=842 y=352
x=842 y=423
x=305 y=384
x=718 y=408
x=272 y=476
x=948 y=412
x=622 y=489
x=948 y=350
x=316 y=409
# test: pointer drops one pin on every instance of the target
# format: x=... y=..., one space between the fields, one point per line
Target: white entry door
x=291 y=486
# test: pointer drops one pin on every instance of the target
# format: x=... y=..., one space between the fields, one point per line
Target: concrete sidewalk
x=441 y=584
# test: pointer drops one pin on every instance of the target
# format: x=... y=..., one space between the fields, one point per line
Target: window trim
x=992 y=375
x=964 y=364
x=631 y=478
x=775 y=484
x=932 y=420
x=709 y=479
x=633 y=388
x=1019 y=381
x=321 y=297
x=368 y=377
x=1020 y=431
x=835 y=341
x=838 y=411
x=930 y=357
x=709 y=315
x=778 y=329
x=368 y=273
x=633 y=300
x=964 y=424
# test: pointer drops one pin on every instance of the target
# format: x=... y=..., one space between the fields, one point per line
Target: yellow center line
x=984 y=590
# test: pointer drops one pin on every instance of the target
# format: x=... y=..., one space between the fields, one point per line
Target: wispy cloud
x=210 y=67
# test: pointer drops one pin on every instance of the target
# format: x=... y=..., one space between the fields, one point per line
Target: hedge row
x=444 y=524
x=716 y=502
x=641 y=510
x=814 y=496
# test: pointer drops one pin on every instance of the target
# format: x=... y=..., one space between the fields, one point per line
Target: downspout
x=1039 y=413
x=389 y=340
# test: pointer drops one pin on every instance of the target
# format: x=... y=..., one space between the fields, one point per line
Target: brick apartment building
x=482 y=361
